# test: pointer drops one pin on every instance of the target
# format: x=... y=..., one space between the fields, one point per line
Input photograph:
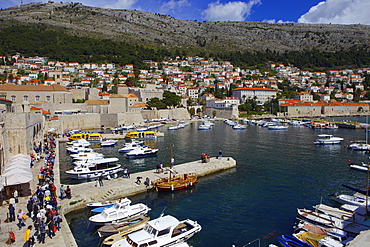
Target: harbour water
x=276 y=173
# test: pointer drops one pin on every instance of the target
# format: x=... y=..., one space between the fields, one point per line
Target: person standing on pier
x=101 y=178
x=62 y=192
x=11 y=212
x=220 y=154
x=68 y=192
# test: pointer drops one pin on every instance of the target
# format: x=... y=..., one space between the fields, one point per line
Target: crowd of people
x=42 y=206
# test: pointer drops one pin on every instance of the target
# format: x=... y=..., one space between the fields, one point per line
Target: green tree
x=192 y=111
x=171 y=99
x=156 y=103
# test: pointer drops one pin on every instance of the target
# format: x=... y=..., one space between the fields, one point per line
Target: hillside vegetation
x=71 y=31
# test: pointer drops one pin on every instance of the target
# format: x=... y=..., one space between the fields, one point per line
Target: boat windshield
x=149 y=229
x=131 y=242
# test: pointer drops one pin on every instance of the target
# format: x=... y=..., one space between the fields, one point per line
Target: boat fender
x=171 y=187
x=191 y=183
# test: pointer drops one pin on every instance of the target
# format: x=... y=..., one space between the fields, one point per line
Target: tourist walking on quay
x=28 y=237
x=21 y=218
x=57 y=220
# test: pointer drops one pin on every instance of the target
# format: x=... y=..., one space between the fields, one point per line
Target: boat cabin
x=165 y=227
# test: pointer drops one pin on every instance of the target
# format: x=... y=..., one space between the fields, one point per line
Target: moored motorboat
x=352 y=200
x=121 y=210
x=277 y=127
x=327 y=139
x=359 y=146
x=79 y=143
x=86 y=156
x=163 y=231
x=289 y=241
x=363 y=167
x=127 y=147
x=239 y=127
x=99 y=204
x=117 y=231
x=316 y=236
x=346 y=225
x=95 y=169
x=204 y=127
x=75 y=149
x=141 y=152
x=108 y=143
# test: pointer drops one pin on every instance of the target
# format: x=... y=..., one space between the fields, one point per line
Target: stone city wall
x=21 y=130
x=176 y=113
x=79 y=121
x=231 y=113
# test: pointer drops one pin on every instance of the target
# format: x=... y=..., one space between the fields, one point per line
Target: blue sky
x=273 y=11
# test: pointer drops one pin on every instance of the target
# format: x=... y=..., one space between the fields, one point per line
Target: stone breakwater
x=121 y=187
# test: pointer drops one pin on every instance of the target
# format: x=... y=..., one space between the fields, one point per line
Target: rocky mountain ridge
x=156 y=30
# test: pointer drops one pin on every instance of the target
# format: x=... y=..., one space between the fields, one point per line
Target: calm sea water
x=277 y=172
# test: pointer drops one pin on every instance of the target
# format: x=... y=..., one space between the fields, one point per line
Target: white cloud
x=119 y=4
x=173 y=6
x=231 y=11
x=338 y=12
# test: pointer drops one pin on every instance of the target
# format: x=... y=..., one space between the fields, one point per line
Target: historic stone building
x=24 y=95
x=261 y=95
x=310 y=109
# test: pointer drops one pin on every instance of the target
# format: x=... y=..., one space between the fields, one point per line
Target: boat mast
x=170 y=158
x=367 y=191
x=366 y=129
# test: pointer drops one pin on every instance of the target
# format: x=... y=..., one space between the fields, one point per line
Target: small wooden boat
x=175 y=182
x=117 y=231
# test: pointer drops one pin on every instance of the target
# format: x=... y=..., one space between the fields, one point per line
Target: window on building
x=37 y=98
x=13 y=98
x=48 y=98
x=25 y=98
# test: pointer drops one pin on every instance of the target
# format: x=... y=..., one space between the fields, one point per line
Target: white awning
x=17 y=171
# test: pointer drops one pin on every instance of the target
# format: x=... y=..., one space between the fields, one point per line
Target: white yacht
x=94 y=169
x=161 y=232
x=119 y=211
x=326 y=139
